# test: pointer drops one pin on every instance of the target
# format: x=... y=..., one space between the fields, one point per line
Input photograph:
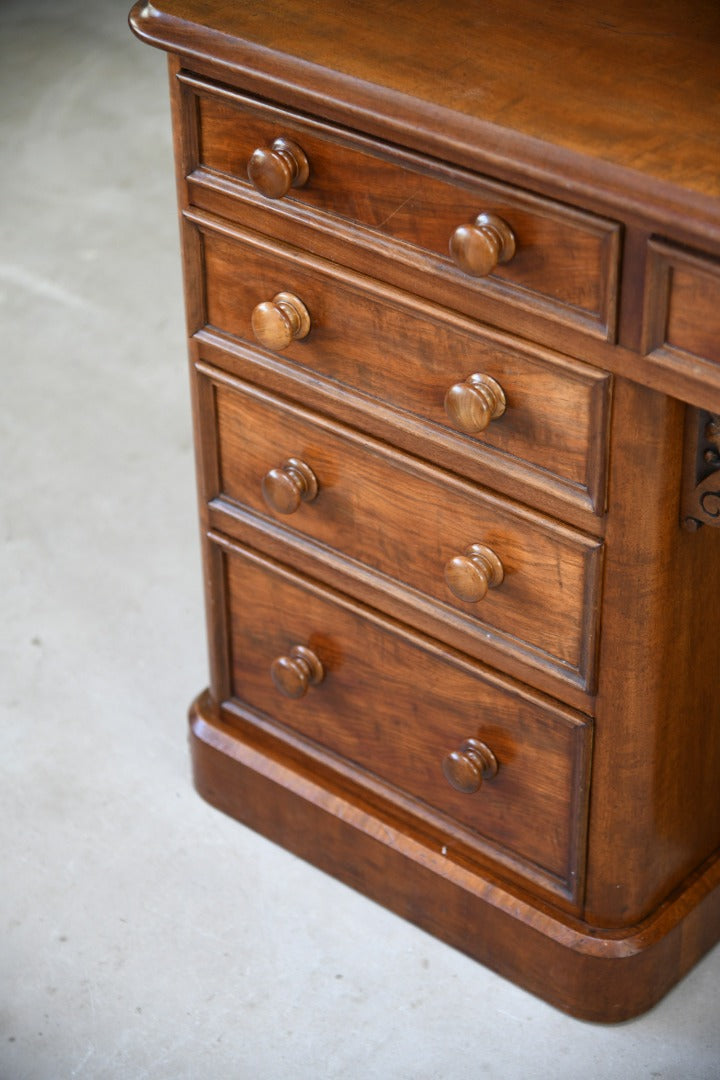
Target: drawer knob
x=471 y=405
x=469 y=576
x=294 y=674
x=273 y=170
x=278 y=322
x=287 y=487
x=466 y=768
x=478 y=248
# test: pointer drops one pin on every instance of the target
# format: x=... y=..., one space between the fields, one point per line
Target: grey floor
x=143 y=935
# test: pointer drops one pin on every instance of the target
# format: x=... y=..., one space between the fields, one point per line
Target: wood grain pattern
x=474 y=403
x=651 y=104
x=407 y=521
x=558 y=253
x=467 y=768
x=682 y=302
x=594 y=975
x=348 y=682
x=407 y=357
x=395 y=707
x=678 y=332
x=368 y=253
x=276 y=168
x=657 y=749
x=278 y=322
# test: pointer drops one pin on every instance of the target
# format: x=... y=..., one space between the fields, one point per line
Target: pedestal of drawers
x=455 y=439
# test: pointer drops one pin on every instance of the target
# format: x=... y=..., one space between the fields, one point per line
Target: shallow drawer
x=408 y=355
x=563 y=259
x=395 y=707
x=514 y=579
x=682 y=326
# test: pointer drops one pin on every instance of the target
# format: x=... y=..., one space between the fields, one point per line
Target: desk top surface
x=627 y=82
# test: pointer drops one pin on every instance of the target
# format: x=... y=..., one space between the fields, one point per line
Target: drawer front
x=530 y=588
x=394 y=707
x=564 y=260
x=408 y=356
x=681 y=321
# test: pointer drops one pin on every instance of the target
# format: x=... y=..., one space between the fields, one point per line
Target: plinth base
x=593 y=974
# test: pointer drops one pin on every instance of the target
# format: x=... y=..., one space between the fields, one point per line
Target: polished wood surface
x=408 y=522
x=612 y=82
x=453 y=325
x=406 y=356
x=465 y=769
x=295 y=673
x=680 y=314
x=657 y=737
x=275 y=169
x=394 y=706
x=278 y=322
x=598 y=977
x=483 y=246
x=470 y=575
x=541 y=246
x=473 y=403
x=286 y=488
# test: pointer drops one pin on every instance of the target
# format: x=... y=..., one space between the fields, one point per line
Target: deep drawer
x=395 y=707
x=565 y=261
x=408 y=355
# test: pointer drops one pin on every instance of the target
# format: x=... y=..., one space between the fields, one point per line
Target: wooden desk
x=453 y=282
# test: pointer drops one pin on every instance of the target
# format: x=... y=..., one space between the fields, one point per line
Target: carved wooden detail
x=479 y=248
x=274 y=170
x=466 y=768
x=293 y=674
x=701 y=471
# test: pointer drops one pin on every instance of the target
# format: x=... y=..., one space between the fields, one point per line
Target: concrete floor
x=143 y=934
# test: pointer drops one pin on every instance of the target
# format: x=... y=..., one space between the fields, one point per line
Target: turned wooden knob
x=294 y=674
x=278 y=322
x=287 y=487
x=469 y=576
x=478 y=248
x=273 y=170
x=467 y=767
x=471 y=405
